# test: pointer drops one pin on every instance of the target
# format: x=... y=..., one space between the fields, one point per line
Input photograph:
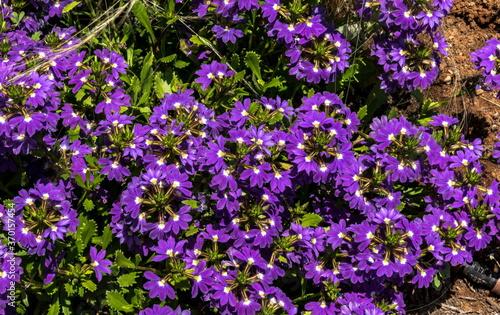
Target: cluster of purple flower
x=317 y=52
x=255 y=172
x=408 y=45
x=488 y=60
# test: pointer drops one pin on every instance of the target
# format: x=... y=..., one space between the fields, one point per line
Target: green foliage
x=122 y=261
x=141 y=14
x=311 y=219
x=117 y=302
x=84 y=234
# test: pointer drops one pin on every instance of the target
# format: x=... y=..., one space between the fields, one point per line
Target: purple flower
x=29 y=123
x=158 y=287
x=113 y=169
x=257 y=174
x=113 y=60
x=165 y=310
x=215 y=71
x=271 y=9
x=227 y=34
x=79 y=79
x=169 y=249
x=98 y=263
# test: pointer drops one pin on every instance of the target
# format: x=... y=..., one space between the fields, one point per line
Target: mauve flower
x=98 y=263
x=158 y=287
x=227 y=34
x=215 y=71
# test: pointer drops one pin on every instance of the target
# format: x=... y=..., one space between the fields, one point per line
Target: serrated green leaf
x=54 y=308
x=89 y=285
x=235 y=61
x=198 y=40
x=238 y=76
x=275 y=82
x=117 y=302
x=194 y=204
x=180 y=64
x=254 y=107
x=276 y=118
x=138 y=297
x=350 y=73
x=168 y=58
x=88 y=204
x=162 y=87
x=192 y=230
x=362 y=112
x=252 y=60
x=144 y=110
x=70 y=289
x=241 y=92
x=436 y=282
x=107 y=237
x=141 y=14
x=70 y=6
x=311 y=219
x=393 y=113
x=425 y=122
x=362 y=149
x=147 y=70
x=122 y=261
x=127 y=280
x=84 y=234
x=283 y=259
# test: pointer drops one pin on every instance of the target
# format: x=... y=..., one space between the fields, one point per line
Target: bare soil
x=469 y=25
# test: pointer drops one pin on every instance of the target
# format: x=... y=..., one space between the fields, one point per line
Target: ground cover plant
x=232 y=157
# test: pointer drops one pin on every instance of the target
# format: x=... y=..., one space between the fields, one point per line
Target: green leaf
x=138 y=297
x=168 y=58
x=147 y=70
x=54 y=309
x=198 y=40
x=252 y=60
x=254 y=107
x=436 y=282
x=117 y=302
x=161 y=87
x=70 y=289
x=88 y=204
x=283 y=259
x=362 y=112
x=127 y=280
x=194 y=204
x=122 y=261
x=141 y=14
x=362 y=149
x=311 y=219
x=70 y=6
x=179 y=64
x=79 y=181
x=107 y=237
x=275 y=82
x=238 y=76
x=84 y=234
x=278 y=117
x=192 y=230
x=89 y=285
x=393 y=113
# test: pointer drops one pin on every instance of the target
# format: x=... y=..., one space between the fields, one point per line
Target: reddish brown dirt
x=469 y=25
